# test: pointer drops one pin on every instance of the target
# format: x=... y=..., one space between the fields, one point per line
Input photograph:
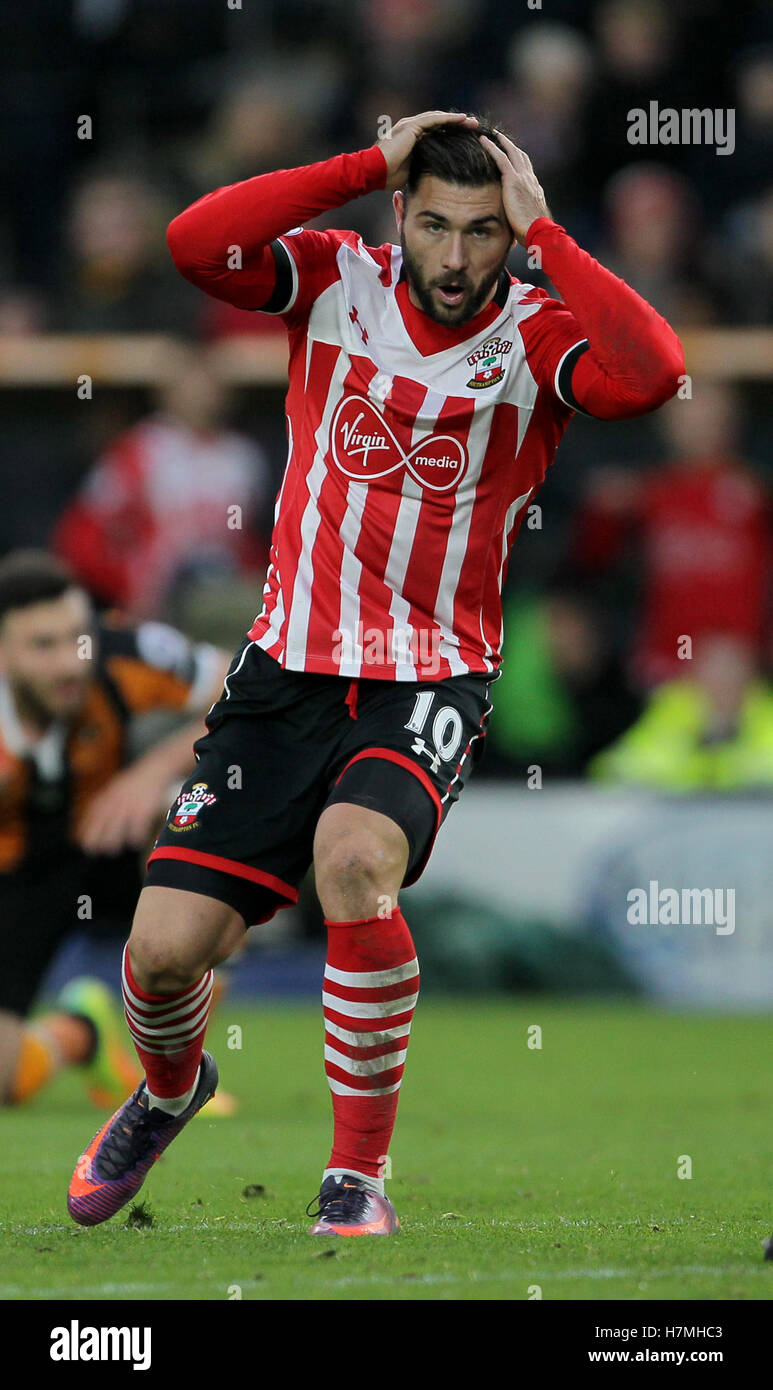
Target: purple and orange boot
x=114 y=1166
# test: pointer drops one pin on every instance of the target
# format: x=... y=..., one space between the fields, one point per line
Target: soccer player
x=74 y=809
x=428 y=391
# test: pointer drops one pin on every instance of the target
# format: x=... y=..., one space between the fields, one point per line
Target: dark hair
x=32 y=576
x=454 y=154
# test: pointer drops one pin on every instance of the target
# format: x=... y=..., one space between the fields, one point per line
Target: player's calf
x=176 y=939
x=167 y=984
x=370 y=990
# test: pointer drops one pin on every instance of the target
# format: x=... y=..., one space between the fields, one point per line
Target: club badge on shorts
x=189 y=804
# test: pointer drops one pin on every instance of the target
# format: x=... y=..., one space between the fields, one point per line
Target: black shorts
x=282 y=745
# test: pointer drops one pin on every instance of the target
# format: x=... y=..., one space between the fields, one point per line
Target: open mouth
x=452 y=295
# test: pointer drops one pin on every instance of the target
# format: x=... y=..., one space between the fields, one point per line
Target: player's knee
x=162 y=965
x=357 y=865
x=177 y=936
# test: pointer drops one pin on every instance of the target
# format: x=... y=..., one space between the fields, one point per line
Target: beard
x=450 y=315
x=41 y=708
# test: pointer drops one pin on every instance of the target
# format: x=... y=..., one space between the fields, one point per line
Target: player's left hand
x=398 y=145
x=522 y=195
x=123 y=814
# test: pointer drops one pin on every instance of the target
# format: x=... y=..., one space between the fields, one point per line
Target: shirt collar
x=431 y=337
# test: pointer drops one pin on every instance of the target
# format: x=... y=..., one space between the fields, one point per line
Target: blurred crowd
x=652 y=532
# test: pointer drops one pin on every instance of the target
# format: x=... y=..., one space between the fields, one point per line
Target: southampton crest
x=189 y=804
x=487 y=361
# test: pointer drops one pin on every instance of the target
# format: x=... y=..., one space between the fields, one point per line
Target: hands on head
x=397 y=146
x=522 y=195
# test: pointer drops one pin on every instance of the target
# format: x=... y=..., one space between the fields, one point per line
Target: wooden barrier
x=127 y=360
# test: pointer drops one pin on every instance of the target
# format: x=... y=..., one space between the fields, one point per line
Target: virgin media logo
x=364 y=447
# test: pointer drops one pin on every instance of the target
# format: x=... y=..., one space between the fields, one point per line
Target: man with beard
x=428 y=391
x=75 y=810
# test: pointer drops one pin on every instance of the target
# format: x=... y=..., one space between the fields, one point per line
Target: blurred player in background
x=150 y=518
x=710 y=729
x=428 y=392
x=74 y=811
x=698 y=525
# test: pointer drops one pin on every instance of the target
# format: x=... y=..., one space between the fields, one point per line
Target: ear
x=398 y=203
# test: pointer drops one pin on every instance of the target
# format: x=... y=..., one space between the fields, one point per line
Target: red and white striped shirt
x=415 y=449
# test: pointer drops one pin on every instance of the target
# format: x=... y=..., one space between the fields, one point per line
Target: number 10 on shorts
x=446 y=725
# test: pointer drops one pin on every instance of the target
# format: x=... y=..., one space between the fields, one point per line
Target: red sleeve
x=222 y=243
x=634 y=360
x=548 y=337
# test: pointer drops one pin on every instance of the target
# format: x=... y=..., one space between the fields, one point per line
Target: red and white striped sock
x=370 y=992
x=168 y=1033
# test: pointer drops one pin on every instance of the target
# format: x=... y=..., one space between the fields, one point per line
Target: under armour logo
x=419 y=746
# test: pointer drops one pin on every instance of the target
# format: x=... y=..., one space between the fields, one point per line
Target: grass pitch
x=513 y=1167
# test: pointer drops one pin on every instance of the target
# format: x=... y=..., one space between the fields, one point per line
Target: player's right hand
x=397 y=146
